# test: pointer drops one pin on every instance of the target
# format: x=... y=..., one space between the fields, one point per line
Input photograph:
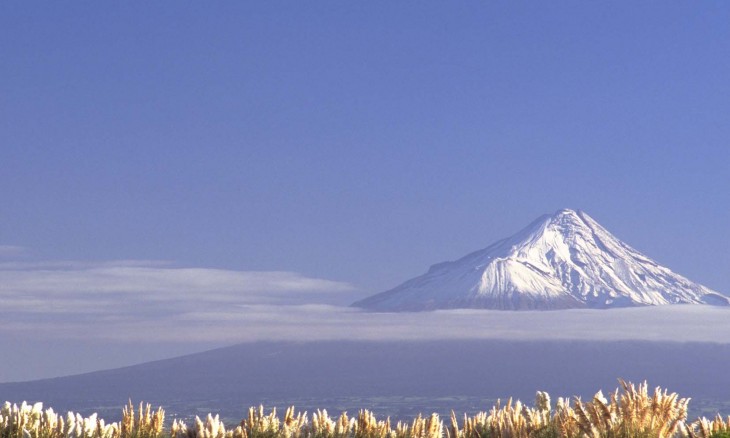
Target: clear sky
x=349 y=145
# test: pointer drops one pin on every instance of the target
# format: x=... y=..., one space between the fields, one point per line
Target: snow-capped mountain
x=564 y=260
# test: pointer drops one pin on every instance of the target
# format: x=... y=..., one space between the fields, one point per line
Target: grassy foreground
x=630 y=412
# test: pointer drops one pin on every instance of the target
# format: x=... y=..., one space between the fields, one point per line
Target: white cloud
x=228 y=325
x=52 y=292
x=158 y=281
x=143 y=301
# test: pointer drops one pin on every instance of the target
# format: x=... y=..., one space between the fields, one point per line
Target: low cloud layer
x=67 y=294
x=154 y=303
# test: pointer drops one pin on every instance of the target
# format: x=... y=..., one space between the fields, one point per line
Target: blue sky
x=356 y=144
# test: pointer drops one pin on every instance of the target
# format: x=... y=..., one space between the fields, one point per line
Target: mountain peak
x=566 y=212
x=563 y=260
x=564 y=219
x=570 y=218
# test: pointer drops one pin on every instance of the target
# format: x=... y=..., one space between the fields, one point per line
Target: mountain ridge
x=563 y=260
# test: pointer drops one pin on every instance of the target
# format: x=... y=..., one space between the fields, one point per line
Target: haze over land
x=178 y=177
x=398 y=379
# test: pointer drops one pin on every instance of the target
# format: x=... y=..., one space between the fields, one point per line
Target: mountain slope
x=564 y=260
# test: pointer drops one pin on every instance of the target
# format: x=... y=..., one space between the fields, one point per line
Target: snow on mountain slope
x=564 y=260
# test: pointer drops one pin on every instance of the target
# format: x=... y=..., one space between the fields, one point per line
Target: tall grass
x=632 y=411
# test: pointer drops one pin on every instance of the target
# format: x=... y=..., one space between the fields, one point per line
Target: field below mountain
x=630 y=411
x=397 y=379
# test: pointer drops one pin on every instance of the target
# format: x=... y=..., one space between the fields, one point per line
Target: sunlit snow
x=564 y=260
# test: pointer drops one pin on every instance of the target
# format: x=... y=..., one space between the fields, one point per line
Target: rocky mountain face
x=563 y=260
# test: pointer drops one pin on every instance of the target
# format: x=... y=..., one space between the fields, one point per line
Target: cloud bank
x=64 y=317
x=152 y=301
x=67 y=294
